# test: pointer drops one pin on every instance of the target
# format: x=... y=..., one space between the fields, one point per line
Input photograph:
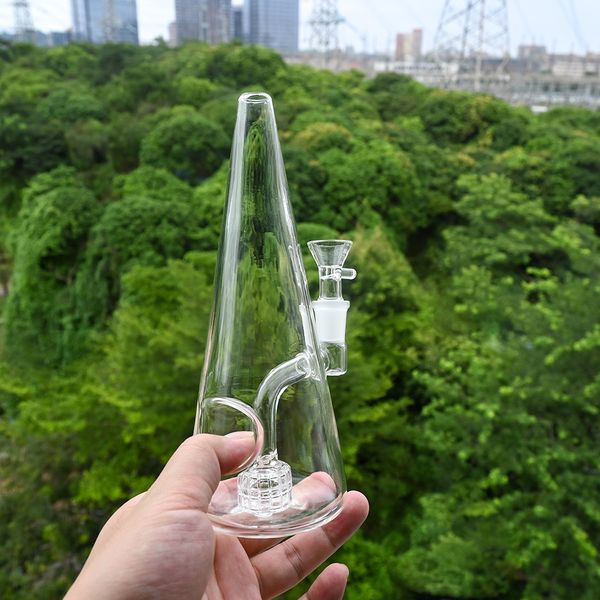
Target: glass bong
x=270 y=350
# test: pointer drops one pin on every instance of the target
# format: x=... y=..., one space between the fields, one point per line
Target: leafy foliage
x=48 y=244
x=186 y=144
x=470 y=414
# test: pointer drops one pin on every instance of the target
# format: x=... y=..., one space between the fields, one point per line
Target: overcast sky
x=563 y=25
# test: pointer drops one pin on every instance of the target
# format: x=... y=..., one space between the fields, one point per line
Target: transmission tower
x=109 y=24
x=472 y=39
x=24 y=31
x=324 y=23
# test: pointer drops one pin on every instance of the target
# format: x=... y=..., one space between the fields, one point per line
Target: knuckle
x=294 y=557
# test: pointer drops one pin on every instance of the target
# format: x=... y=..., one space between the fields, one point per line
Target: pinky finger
x=329 y=585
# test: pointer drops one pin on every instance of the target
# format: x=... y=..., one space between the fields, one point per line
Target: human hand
x=161 y=544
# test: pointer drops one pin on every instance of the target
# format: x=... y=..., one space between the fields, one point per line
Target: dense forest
x=470 y=412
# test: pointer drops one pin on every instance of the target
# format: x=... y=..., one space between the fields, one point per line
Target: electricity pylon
x=109 y=24
x=324 y=22
x=472 y=38
x=24 y=31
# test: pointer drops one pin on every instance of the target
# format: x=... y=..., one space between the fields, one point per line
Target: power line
x=569 y=18
x=414 y=13
x=524 y=19
x=371 y=6
x=577 y=26
x=37 y=7
x=361 y=34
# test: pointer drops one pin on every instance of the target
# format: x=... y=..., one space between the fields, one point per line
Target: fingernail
x=341 y=569
x=240 y=435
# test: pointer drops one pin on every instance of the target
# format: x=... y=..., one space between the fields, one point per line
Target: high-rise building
x=100 y=21
x=206 y=20
x=215 y=21
x=272 y=23
x=408 y=46
x=237 y=23
x=187 y=20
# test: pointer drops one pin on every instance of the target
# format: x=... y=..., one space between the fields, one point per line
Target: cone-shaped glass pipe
x=263 y=368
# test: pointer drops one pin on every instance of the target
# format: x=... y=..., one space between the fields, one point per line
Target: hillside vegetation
x=470 y=413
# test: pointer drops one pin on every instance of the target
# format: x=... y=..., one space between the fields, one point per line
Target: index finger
x=283 y=566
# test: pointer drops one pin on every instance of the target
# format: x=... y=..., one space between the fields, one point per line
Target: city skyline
x=97 y=22
x=547 y=22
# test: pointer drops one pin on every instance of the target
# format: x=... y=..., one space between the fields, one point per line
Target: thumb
x=194 y=471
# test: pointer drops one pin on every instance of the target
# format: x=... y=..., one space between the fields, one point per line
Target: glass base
x=265 y=529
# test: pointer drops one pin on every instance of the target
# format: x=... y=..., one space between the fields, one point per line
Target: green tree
x=396 y=95
x=194 y=91
x=469 y=414
x=239 y=66
x=30 y=146
x=69 y=105
x=88 y=144
x=48 y=249
x=82 y=441
x=187 y=144
x=514 y=390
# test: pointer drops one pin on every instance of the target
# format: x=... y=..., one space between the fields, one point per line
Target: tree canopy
x=470 y=415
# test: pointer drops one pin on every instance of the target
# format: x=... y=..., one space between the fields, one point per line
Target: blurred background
x=456 y=142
